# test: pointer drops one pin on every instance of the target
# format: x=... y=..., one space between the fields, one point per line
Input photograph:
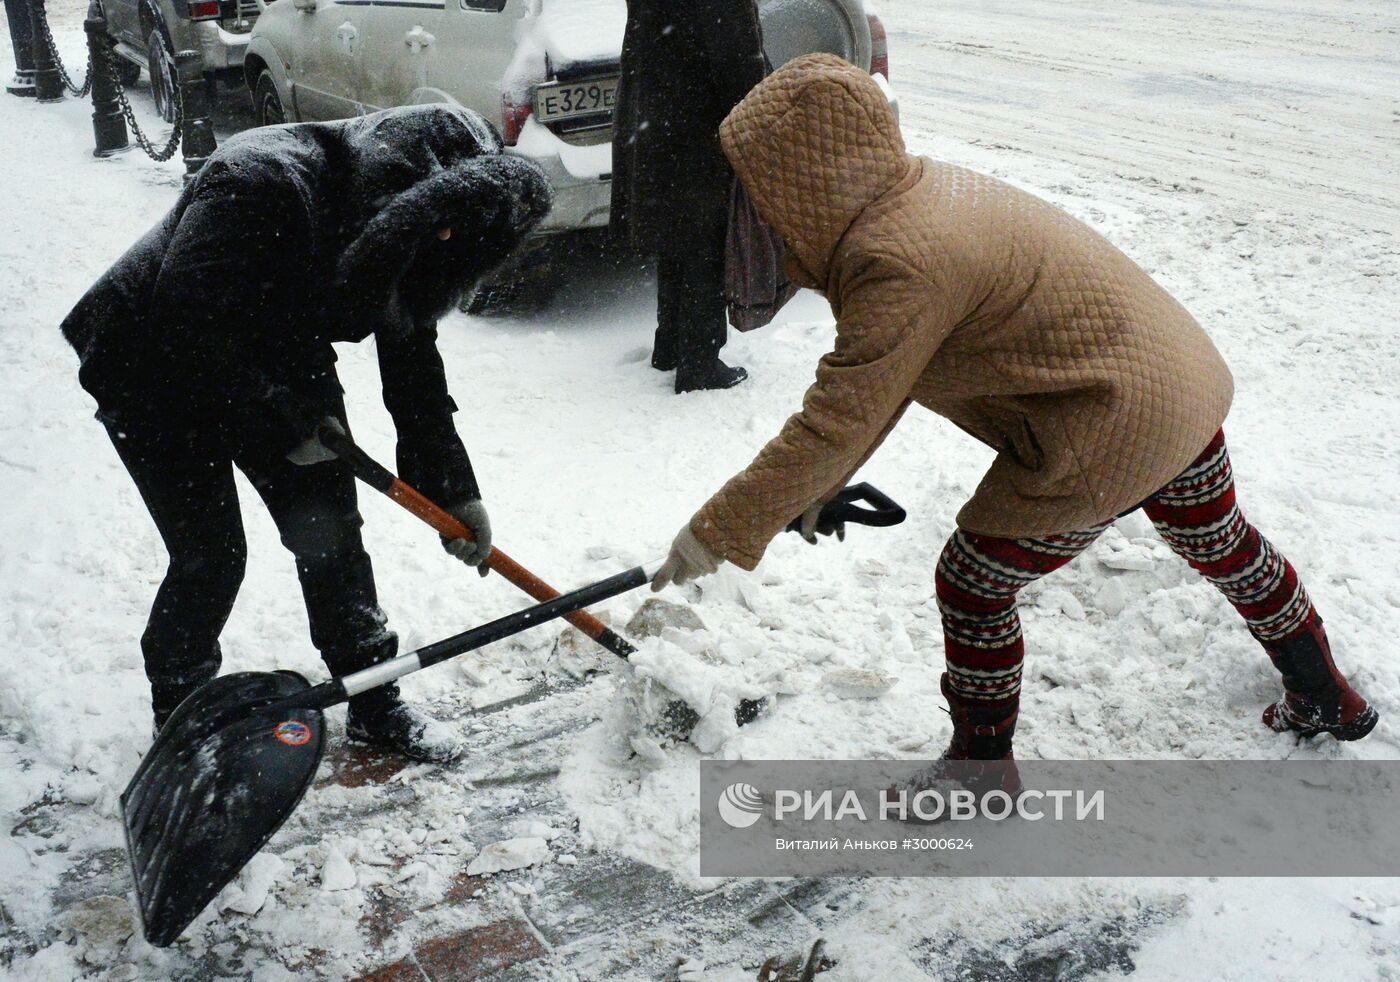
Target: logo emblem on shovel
x=293 y=732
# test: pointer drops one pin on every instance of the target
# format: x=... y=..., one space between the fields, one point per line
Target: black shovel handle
x=845 y=509
x=339 y=689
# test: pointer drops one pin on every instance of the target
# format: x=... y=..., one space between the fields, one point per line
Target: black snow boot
x=1317 y=698
x=663 y=351
x=167 y=694
x=711 y=374
x=381 y=718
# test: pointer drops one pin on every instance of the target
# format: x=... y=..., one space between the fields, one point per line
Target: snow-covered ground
x=1245 y=153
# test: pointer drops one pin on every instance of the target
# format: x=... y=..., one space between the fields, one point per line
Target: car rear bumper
x=580 y=202
x=219 y=50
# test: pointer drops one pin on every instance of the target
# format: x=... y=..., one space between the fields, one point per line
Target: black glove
x=810 y=525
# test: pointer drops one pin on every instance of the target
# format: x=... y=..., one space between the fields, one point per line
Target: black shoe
x=708 y=375
x=663 y=359
x=383 y=719
x=166 y=697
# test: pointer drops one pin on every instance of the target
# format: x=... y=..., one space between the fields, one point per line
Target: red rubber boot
x=1317 y=698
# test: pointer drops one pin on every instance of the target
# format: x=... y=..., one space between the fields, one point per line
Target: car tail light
x=513 y=116
x=879 y=48
x=203 y=9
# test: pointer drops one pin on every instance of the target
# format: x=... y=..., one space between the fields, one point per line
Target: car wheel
x=165 y=82
x=128 y=72
x=499 y=295
x=267 y=104
x=526 y=286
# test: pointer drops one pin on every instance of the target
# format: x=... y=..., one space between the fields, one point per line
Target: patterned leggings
x=1196 y=515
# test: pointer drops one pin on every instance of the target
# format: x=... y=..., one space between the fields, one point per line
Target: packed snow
x=1245 y=154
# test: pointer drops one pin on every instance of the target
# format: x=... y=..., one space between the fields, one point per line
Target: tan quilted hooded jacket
x=972 y=298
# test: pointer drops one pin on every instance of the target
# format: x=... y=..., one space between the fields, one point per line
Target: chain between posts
x=172 y=143
x=77 y=90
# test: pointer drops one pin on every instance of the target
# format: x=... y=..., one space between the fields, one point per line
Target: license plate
x=568 y=100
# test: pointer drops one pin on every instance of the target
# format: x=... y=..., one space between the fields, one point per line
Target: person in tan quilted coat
x=1032 y=333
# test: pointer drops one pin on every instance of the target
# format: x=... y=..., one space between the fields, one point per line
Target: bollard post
x=17 y=13
x=108 y=124
x=48 y=87
x=196 y=129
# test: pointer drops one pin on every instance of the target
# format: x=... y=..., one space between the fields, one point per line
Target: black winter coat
x=685 y=65
x=294 y=237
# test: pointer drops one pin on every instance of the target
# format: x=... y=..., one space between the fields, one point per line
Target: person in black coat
x=684 y=67
x=208 y=347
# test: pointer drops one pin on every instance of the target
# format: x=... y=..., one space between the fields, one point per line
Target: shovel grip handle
x=367 y=469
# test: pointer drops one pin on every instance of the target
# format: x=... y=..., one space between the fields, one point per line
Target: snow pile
x=583 y=162
x=565 y=33
x=581 y=31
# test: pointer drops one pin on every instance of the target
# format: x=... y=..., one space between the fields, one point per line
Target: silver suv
x=147 y=33
x=545 y=71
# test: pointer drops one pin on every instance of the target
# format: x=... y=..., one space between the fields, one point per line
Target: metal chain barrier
x=172 y=143
x=77 y=90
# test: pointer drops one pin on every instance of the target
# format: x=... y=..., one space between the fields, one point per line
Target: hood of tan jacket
x=815 y=146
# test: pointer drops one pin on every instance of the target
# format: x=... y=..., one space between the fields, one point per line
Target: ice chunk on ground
x=99 y=926
x=509 y=854
x=859 y=683
x=336 y=871
x=249 y=893
x=655 y=615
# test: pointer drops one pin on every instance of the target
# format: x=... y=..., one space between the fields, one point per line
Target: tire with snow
x=526 y=285
x=165 y=83
x=267 y=104
x=508 y=292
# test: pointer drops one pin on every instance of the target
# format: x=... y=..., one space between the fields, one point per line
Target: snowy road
x=1245 y=152
x=1263 y=105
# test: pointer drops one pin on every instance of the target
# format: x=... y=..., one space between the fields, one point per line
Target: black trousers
x=691 y=316
x=184 y=473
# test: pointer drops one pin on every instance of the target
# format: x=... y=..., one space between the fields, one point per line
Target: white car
x=544 y=71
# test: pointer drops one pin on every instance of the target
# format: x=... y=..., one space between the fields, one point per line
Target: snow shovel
x=236 y=757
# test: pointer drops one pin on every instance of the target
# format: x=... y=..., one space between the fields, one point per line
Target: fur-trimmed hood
x=377 y=188
x=490 y=203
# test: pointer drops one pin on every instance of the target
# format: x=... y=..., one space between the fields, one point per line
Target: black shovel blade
x=223 y=775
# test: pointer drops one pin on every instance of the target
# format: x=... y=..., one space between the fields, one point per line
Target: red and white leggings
x=1196 y=515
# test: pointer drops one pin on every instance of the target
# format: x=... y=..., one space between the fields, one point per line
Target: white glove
x=312 y=450
x=472 y=514
x=689 y=560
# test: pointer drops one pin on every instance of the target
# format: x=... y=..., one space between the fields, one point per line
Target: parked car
x=148 y=33
x=544 y=71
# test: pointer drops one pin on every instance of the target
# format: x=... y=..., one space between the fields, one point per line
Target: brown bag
x=755 y=284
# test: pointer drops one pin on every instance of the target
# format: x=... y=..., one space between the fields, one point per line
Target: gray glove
x=689 y=560
x=312 y=450
x=472 y=514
